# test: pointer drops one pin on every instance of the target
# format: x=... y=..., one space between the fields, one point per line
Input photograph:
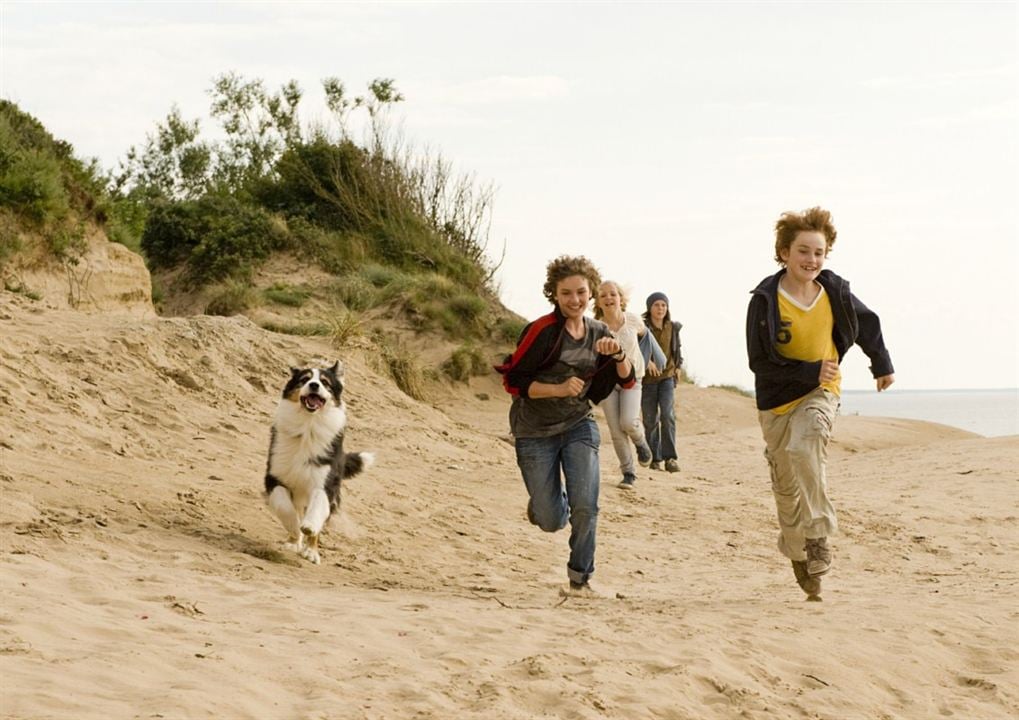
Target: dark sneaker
x=809 y=585
x=628 y=480
x=582 y=590
x=818 y=556
x=656 y=465
x=644 y=455
x=672 y=465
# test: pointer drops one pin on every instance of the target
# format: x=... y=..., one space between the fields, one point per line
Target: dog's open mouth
x=312 y=402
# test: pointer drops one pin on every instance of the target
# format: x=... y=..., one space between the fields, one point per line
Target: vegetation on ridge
x=44 y=189
x=399 y=233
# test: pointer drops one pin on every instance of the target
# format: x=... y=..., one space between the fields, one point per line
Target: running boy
x=800 y=323
x=564 y=363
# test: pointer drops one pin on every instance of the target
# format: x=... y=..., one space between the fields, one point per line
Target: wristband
x=619 y=357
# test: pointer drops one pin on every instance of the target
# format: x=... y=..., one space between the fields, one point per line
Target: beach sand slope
x=142 y=575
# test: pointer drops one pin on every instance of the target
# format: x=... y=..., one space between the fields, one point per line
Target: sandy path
x=140 y=574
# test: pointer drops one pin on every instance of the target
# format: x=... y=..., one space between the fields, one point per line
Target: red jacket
x=538 y=349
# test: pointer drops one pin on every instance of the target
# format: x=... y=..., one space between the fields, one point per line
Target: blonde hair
x=624 y=297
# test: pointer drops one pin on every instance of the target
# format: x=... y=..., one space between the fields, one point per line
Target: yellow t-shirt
x=806 y=335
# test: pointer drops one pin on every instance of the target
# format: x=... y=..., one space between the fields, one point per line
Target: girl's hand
x=885 y=381
x=652 y=369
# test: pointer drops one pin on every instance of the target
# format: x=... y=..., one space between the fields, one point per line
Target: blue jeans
x=656 y=405
x=573 y=454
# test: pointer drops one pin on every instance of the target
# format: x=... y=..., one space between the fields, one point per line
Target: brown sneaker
x=809 y=585
x=818 y=556
x=672 y=465
x=581 y=590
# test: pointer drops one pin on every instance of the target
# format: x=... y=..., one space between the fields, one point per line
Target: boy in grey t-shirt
x=563 y=363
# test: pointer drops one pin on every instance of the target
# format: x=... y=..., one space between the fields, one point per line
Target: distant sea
x=990 y=413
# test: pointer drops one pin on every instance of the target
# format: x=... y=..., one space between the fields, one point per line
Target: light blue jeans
x=543 y=463
x=622 y=413
x=656 y=404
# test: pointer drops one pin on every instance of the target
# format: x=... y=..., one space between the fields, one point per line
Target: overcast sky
x=661 y=140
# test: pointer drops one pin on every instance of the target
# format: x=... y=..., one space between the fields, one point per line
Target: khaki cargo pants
x=797 y=452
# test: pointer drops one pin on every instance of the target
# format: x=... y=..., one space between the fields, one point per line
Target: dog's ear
x=337 y=370
x=294 y=372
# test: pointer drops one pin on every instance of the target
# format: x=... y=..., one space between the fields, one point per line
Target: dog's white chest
x=301 y=453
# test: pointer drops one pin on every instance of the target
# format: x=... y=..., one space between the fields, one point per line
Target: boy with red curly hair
x=800 y=324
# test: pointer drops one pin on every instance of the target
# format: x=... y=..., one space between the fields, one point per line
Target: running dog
x=306 y=459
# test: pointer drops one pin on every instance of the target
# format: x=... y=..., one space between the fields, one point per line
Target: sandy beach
x=142 y=575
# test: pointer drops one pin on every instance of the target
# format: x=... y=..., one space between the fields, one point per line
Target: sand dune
x=142 y=576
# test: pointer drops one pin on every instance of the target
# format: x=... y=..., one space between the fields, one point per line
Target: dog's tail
x=356 y=463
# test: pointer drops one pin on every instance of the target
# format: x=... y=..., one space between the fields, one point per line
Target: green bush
x=231 y=299
x=171 y=233
x=235 y=242
x=10 y=242
x=217 y=237
x=335 y=252
x=382 y=275
x=469 y=310
x=355 y=292
x=158 y=292
x=465 y=362
x=322 y=182
x=382 y=283
x=31 y=184
x=343 y=327
x=366 y=206
x=283 y=294
x=459 y=316
x=508 y=329
x=127 y=217
x=40 y=179
x=67 y=242
x=403 y=366
x=433 y=286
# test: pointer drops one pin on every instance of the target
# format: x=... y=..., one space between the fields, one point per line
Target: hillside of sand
x=141 y=575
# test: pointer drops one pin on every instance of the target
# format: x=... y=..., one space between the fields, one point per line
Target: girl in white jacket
x=622 y=406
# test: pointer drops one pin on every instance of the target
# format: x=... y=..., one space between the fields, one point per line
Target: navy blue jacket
x=779 y=380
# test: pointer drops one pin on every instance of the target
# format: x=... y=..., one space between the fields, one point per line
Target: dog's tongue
x=312 y=402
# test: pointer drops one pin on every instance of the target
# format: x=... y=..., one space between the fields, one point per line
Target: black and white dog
x=306 y=458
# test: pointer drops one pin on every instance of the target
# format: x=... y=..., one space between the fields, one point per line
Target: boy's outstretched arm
x=872 y=342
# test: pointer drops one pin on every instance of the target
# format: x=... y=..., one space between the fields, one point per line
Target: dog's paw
x=296 y=547
x=311 y=555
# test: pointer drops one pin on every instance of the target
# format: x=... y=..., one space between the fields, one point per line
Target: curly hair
x=815 y=219
x=566 y=266
x=624 y=297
